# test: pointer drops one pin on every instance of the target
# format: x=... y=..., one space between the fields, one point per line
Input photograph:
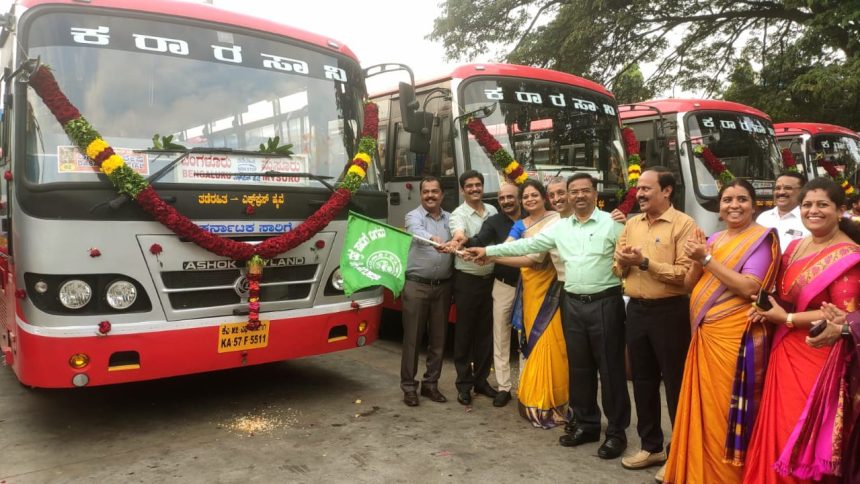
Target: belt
x=587 y=298
x=507 y=281
x=486 y=276
x=422 y=280
x=658 y=302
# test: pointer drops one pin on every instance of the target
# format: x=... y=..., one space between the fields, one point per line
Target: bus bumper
x=124 y=356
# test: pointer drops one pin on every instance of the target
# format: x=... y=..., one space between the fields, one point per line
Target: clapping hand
x=696 y=246
x=835 y=318
x=629 y=256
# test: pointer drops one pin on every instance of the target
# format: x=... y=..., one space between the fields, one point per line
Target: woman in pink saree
x=797 y=438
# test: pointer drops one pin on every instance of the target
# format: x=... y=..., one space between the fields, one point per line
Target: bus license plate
x=237 y=337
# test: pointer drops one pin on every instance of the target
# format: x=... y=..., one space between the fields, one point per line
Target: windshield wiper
x=120 y=200
x=320 y=178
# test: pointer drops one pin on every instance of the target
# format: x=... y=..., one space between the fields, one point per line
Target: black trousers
x=473 y=333
x=594 y=334
x=427 y=306
x=658 y=337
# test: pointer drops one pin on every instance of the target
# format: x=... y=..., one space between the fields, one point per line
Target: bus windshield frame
x=729 y=134
x=220 y=87
x=549 y=128
x=843 y=151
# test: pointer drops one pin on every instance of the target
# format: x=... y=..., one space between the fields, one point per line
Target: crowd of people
x=754 y=331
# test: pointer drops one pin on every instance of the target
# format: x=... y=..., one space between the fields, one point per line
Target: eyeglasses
x=584 y=191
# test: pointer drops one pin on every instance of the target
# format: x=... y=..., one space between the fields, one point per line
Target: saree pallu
x=851 y=453
x=543 y=389
x=720 y=322
x=830 y=275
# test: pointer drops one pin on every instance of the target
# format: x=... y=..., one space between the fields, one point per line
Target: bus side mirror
x=417 y=123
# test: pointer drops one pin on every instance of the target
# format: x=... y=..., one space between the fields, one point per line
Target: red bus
x=86 y=297
x=553 y=123
x=806 y=140
x=740 y=136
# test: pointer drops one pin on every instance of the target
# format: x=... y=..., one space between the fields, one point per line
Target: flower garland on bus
x=502 y=159
x=634 y=169
x=127 y=181
x=837 y=176
x=714 y=165
x=788 y=161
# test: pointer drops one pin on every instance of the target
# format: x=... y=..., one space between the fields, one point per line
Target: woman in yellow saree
x=543 y=388
x=725 y=363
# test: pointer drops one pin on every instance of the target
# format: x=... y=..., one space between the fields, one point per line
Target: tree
x=630 y=87
x=692 y=44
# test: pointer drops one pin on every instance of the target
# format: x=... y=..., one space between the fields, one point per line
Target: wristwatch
x=788 y=320
x=706 y=260
x=643 y=266
x=846 y=330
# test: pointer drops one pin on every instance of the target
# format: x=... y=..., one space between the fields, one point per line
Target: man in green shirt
x=592 y=314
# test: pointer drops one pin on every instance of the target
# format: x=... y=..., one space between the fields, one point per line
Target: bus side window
x=406 y=163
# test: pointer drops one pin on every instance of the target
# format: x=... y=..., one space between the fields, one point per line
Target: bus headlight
x=337 y=279
x=75 y=294
x=121 y=294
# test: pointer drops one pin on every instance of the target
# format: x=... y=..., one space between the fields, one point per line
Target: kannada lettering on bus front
x=237 y=337
x=71 y=160
x=227 y=169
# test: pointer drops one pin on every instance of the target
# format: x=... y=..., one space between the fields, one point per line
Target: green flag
x=373 y=254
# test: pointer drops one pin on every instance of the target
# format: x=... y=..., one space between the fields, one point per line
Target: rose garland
x=502 y=159
x=788 y=161
x=634 y=170
x=714 y=165
x=127 y=181
x=837 y=176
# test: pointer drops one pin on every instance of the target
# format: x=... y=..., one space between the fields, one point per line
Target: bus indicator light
x=40 y=287
x=79 y=360
x=362 y=326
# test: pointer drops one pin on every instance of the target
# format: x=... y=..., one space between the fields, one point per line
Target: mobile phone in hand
x=817 y=328
x=762 y=301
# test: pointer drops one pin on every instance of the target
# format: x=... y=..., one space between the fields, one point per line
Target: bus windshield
x=135 y=78
x=842 y=151
x=549 y=128
x=744 y=143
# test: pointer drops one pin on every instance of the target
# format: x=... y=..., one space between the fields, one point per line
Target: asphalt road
x=330 y=418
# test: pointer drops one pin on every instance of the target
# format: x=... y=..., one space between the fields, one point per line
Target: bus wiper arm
x=320 y=178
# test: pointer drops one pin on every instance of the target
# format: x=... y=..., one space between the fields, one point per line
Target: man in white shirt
x=785 y=216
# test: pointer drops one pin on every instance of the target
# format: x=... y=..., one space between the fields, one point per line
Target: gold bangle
x=788 y=320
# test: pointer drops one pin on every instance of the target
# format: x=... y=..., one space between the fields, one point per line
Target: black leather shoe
x=578 y=437
x=433 y=393
x=486 y=390
x=464 y=398
x=612 y=448
x=502 y=398
x=410 y=398
x=570 y=427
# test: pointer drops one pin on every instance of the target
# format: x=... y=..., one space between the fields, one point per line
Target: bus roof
x=209 y=13
x=794 y=129
x=467 y=71
x=671 y=106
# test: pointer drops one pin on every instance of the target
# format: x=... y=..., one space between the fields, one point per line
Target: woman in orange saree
x=824 y=267
x=742 y=259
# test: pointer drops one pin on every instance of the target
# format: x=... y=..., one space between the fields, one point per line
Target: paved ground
x=332 y=418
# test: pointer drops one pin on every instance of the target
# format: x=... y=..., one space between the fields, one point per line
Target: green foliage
x=166 y=143
x=81 y=132
x=272 y=147
x=803 y=50
x=630 y=87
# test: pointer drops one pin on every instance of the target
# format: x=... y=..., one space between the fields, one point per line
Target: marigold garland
x=837 y=176
x=127 y=181
x=714 y=165
x=788 y=161
x=501 y=158
x=634 y=170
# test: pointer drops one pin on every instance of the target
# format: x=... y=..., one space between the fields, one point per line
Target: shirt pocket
x=597 y=245
x=661 y=250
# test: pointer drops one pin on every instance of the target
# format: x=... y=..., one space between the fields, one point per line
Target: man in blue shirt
x=592 y=315
x=426 y=294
